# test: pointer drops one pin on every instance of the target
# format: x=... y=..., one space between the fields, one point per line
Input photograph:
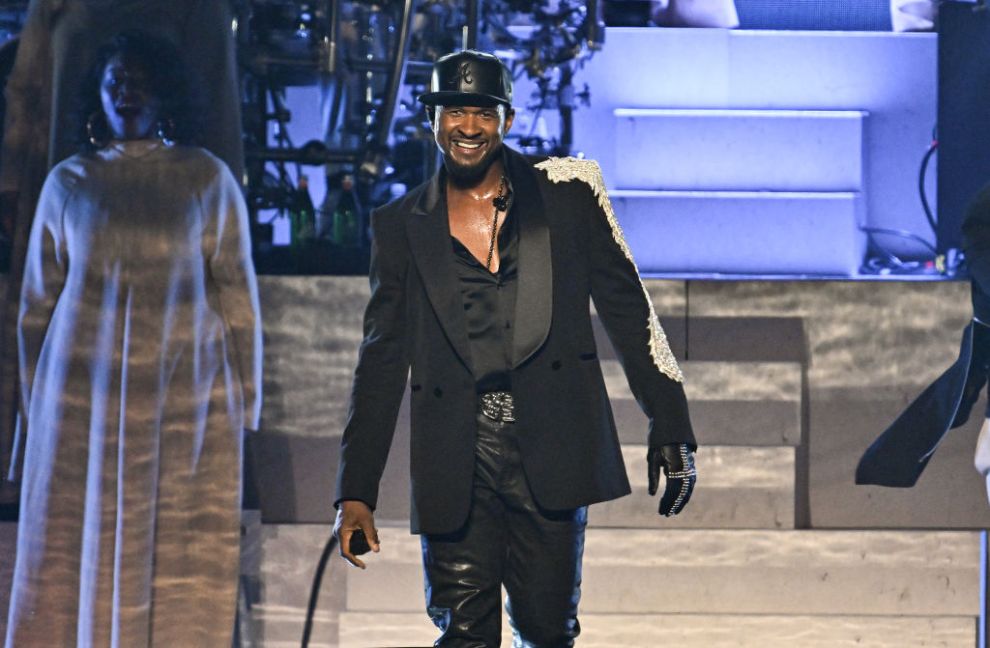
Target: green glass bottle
x=302 y=215
x=346 y=225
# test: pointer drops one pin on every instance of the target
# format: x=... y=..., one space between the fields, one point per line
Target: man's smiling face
x=470 y=137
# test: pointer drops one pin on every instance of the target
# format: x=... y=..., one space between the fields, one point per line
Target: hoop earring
x=93 y=128
x=166 y=131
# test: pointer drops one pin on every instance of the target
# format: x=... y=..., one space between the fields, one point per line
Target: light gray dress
x=140 y=361
x=57 y=47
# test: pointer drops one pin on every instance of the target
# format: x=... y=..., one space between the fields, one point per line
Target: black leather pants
x=508 y=539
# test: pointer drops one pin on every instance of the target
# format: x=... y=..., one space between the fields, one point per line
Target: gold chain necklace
x=500 y=202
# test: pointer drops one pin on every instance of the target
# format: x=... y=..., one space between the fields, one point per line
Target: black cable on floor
x=314 y=592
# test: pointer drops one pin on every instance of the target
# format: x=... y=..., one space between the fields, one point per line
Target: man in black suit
x=481 y=280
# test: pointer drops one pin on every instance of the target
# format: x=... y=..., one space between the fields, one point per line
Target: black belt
x=498 y=406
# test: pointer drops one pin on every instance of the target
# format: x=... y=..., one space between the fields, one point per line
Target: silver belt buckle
x=498 y=406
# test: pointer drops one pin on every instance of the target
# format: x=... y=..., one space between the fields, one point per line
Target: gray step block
x=784 y=233
x=392 y=630
x=731 y=422
x=732 y=403
x=276 y=627
x=784 y=572
x=737 y=488
x=312 y=331
x=740 y=381
x=363 y=629
x=638 y=571
x=873 y=347
x=278 y=562
x=741 y=150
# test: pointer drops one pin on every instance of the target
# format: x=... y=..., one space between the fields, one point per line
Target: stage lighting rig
x=370 y=60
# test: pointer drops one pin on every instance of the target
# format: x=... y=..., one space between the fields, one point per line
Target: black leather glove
x=677 y=460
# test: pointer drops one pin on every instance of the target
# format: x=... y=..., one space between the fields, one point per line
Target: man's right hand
x=351 y=516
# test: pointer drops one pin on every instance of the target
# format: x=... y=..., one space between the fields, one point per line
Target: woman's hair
x=169 y=80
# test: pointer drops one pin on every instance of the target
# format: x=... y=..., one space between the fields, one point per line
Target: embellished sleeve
x=626 y=310
x=588 y=171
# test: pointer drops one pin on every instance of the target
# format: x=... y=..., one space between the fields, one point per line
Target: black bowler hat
x=469 y=78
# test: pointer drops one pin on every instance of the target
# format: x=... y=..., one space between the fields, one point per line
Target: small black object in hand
x=359 y=543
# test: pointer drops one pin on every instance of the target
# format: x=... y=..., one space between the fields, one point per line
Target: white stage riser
x=892 y=77
x=741 y=150
x=718 y=232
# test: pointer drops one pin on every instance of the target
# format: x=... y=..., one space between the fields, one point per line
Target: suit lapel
x=429 y=240
x=534 y=294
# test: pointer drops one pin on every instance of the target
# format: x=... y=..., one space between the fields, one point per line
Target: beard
x=469 y=174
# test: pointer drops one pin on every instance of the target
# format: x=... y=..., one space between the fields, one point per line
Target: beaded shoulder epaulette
x=567 y=169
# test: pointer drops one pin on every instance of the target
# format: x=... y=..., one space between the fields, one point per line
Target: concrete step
x=285 y=558
x=278 y=562
x=742 y=232
x=739 y=403
x=732 y=403
x=306 y=384
x=282 y=627
x=742 y=150
x=796 y=588
x=363 y=629
x=738 y=488
x=626 y=571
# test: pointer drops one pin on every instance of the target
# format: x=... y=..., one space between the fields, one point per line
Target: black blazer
x=901 y=453
x=569 y=251
x=976 y=245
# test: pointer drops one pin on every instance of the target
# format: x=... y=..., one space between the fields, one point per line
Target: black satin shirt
x=489 y=307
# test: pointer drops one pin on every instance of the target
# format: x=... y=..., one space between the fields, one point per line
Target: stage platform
x=760 y=152
x=788 y=384
x=740 y=165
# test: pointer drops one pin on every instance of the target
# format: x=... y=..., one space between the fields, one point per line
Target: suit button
x=438 y=392
x=555 y=365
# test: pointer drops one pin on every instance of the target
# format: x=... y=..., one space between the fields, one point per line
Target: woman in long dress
x=57 y=47
x=140 y=364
